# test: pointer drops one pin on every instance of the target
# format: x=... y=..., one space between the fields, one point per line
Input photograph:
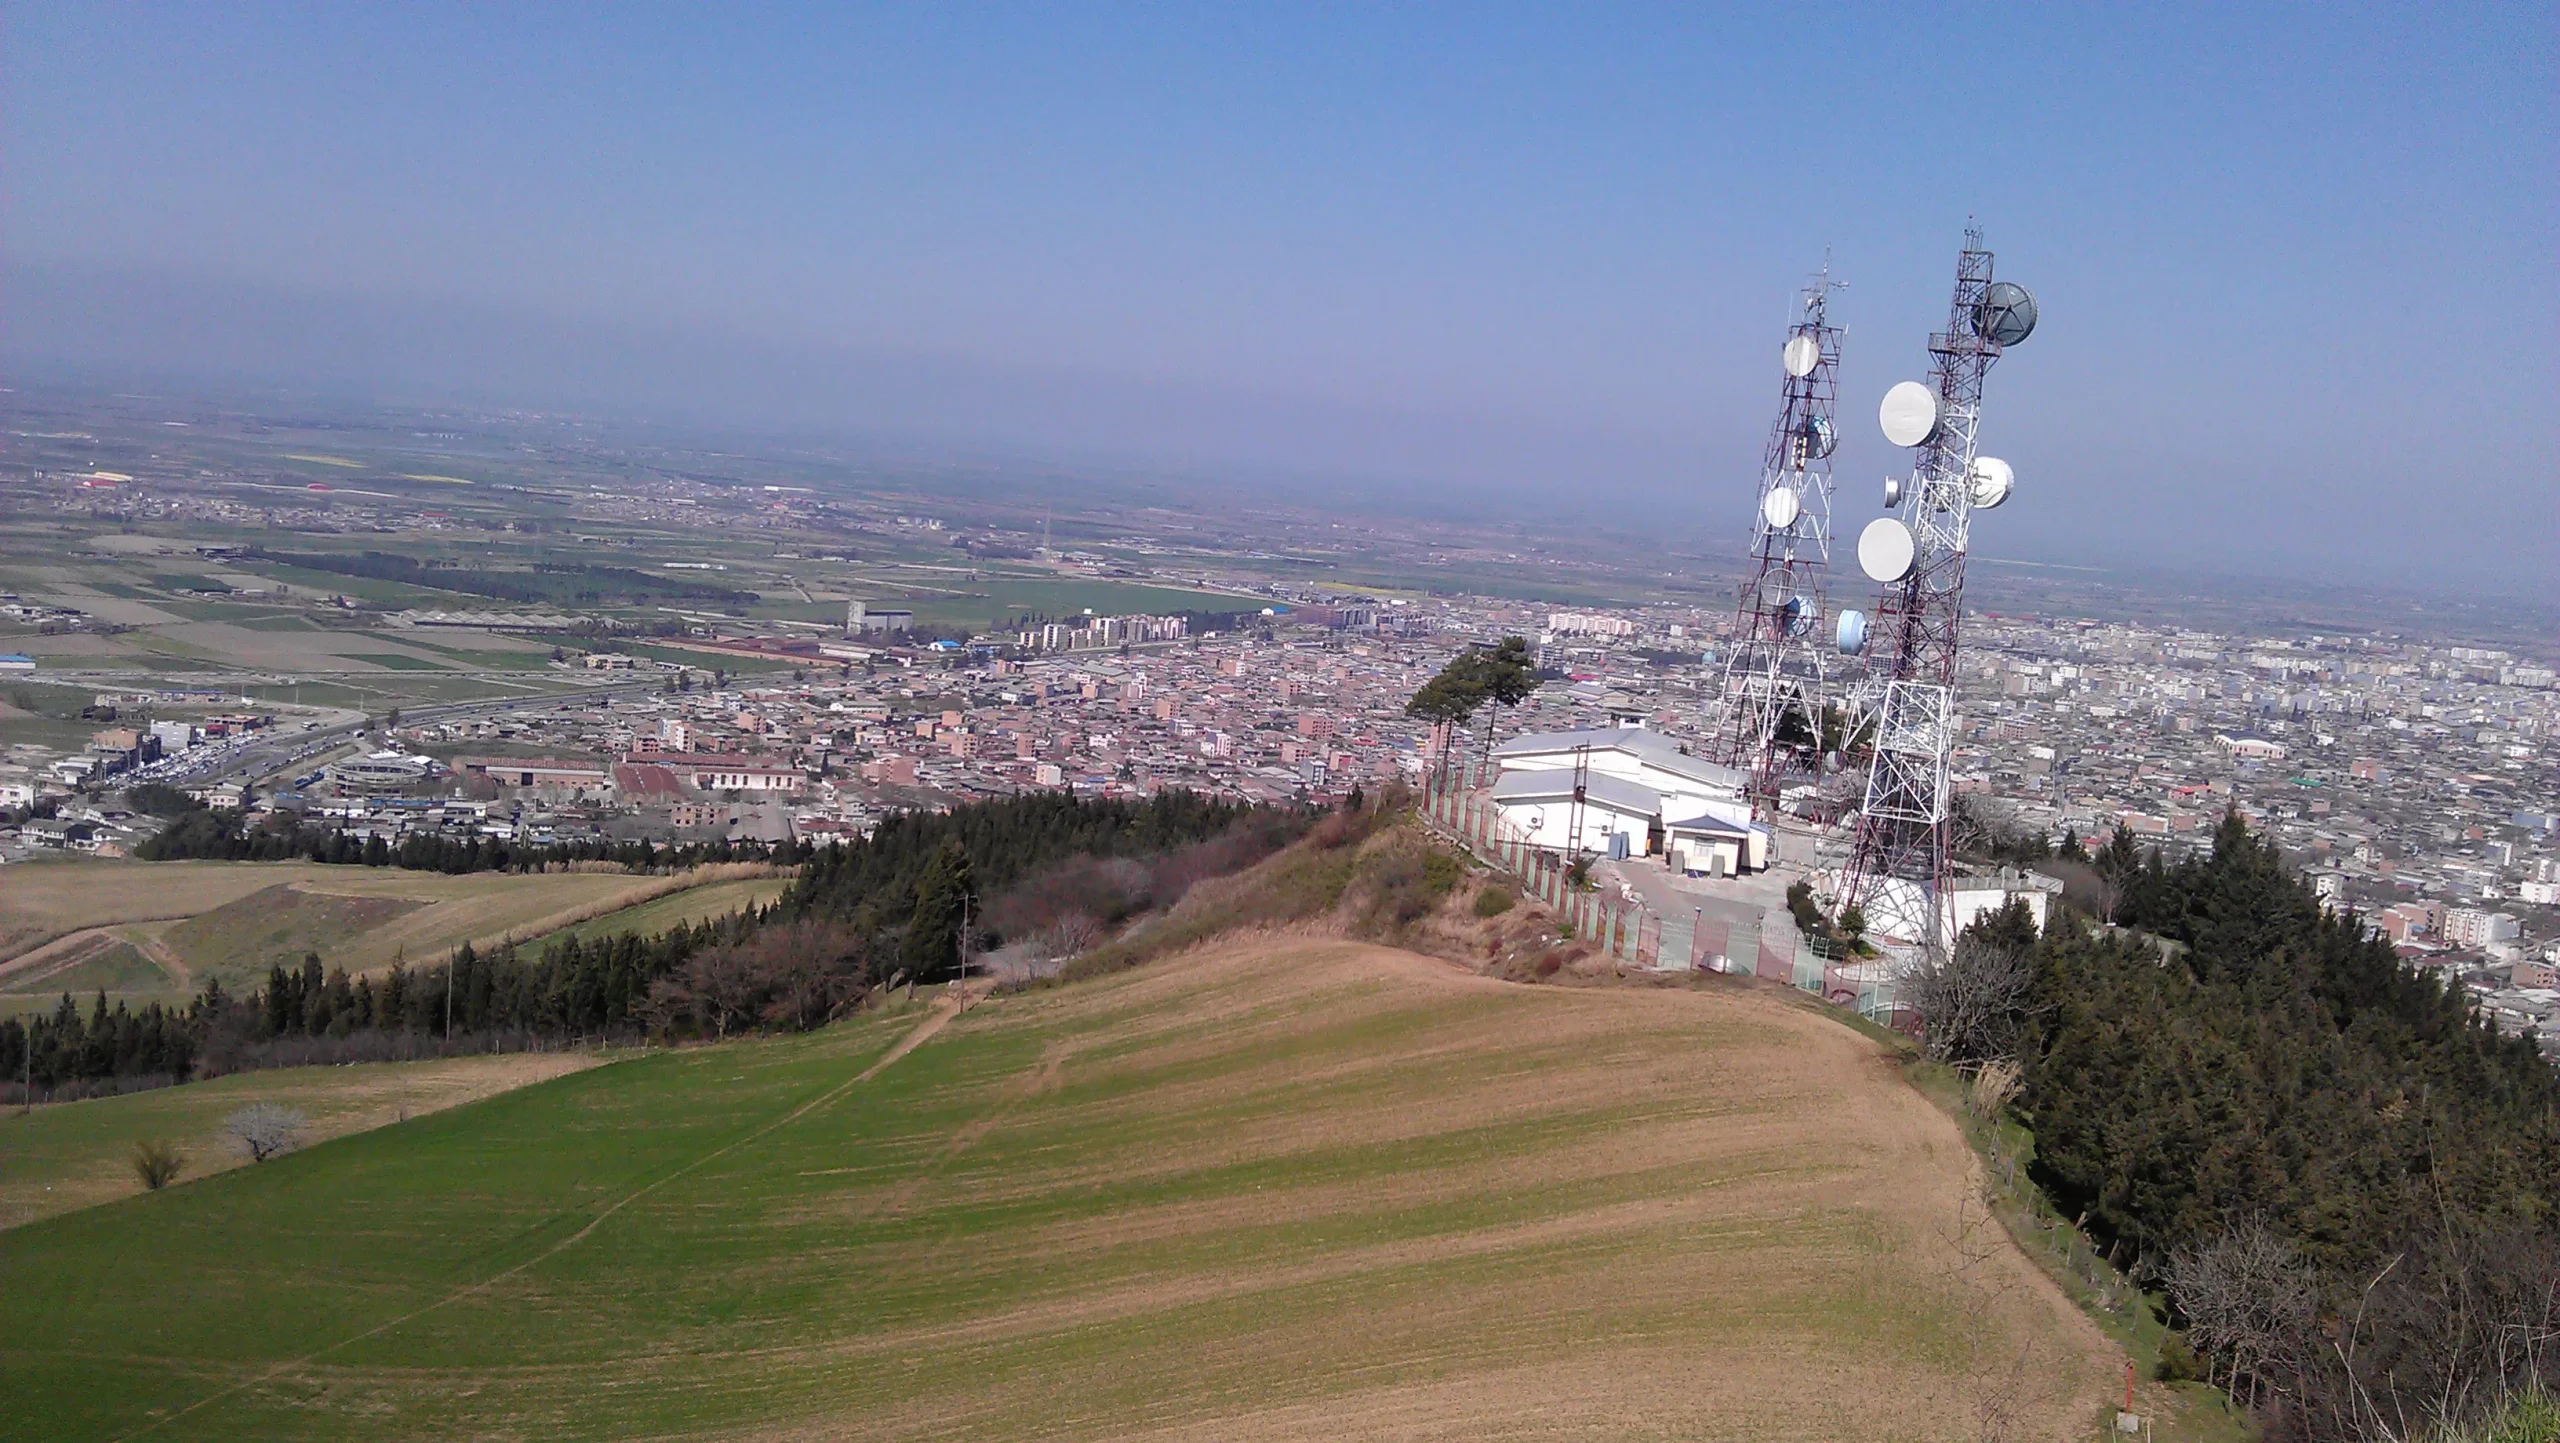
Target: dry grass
x=1277 y=1187
x=235 y=918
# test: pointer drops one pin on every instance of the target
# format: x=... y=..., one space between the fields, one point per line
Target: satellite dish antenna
x=1892 y=492
x=1802 y=354
x=1886 y=550
x=1818 y=437
x=1992 y=479
x=2006 y=314
x=1909 y=414
x=1781 y=507
x=1851 y=634
x=1793 y=614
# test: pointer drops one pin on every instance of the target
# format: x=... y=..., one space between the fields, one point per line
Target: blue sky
x=2297 y=264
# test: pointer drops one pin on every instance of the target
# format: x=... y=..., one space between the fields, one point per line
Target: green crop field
x=1283 y=1189
x=78 y=1154
x=648 y=919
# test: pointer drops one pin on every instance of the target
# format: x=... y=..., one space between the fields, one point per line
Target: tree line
x=2346 y=1181
x=282 y=836
x=913 y=901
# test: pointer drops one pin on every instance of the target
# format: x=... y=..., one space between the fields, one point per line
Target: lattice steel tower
x=1899 y=870
x=1772 y=725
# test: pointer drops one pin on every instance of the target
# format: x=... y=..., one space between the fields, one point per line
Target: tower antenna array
x=1898 y=872
x=1773 y=671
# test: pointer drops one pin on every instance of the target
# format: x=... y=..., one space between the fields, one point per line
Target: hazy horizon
x=2299 y=298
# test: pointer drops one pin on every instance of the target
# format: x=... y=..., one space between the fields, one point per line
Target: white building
x=2471 y=928
x=1638 y=788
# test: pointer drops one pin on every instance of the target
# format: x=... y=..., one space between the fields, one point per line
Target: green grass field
x=648 y=919
x=74 y=1155
x=1291 y=1189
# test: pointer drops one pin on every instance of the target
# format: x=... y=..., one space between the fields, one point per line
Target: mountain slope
x=1274 y=1188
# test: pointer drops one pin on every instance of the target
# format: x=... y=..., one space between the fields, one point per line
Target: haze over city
x=2296 y=270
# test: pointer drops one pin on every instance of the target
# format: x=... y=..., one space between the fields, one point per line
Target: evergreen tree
x=944 y=898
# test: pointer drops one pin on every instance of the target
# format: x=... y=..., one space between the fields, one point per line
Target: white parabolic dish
x=1801 y=355
x=1780 y=507
x=1992 y=479
x=1886 y=550
x=1909 y=414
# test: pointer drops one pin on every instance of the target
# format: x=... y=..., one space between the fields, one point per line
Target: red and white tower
x=1772 y=725
x=1898 y=872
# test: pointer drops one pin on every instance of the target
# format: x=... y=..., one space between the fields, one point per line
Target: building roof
x=1649 y=747
x=1615 y=793
x=1719 y=822
x=636 y=780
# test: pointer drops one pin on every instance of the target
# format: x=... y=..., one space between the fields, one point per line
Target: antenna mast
x=1773 y=672
x=1898 y=873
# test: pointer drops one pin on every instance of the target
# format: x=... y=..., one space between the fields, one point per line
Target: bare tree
x=1973 y=1001
x=264 y=1129
x=2249 y=1299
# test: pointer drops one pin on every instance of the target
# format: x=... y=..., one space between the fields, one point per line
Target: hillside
x=1276 y=1187
x=162 y=929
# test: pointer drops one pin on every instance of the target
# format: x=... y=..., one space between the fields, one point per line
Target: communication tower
x=1773 y=672
x=1898 y=871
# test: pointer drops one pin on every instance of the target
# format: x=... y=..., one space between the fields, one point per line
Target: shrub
x=1495 y=900
x=157 y=1163
x=2178 y=1362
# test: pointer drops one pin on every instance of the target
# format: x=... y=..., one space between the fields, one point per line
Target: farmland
x=75 y=1155
x=158 y=930
x=1278 y=1188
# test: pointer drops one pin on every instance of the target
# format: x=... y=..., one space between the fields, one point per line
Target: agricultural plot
x=696 y=904
x=72 y=1155
x=1283 y=1189
x=159 y=930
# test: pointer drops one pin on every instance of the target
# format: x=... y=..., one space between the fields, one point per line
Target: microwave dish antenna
x=1910 y=414
x=1992 y=479
x=1773 y=671
x=1898 y=873
x=1800 y=355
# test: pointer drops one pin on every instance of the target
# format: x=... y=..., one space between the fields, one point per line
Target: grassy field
x=158 y=929
x=1280 y=1189
x=76 y=1154
x=717 y=899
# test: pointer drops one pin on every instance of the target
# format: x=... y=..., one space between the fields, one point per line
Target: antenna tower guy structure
x=1773 y=673
x=1898 y=872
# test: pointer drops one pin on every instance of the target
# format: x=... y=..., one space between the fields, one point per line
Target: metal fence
x=1626 y=929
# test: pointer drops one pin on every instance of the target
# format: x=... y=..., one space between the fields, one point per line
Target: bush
x=1495 y=900
x=2178 y=1362
x=157 y=1163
